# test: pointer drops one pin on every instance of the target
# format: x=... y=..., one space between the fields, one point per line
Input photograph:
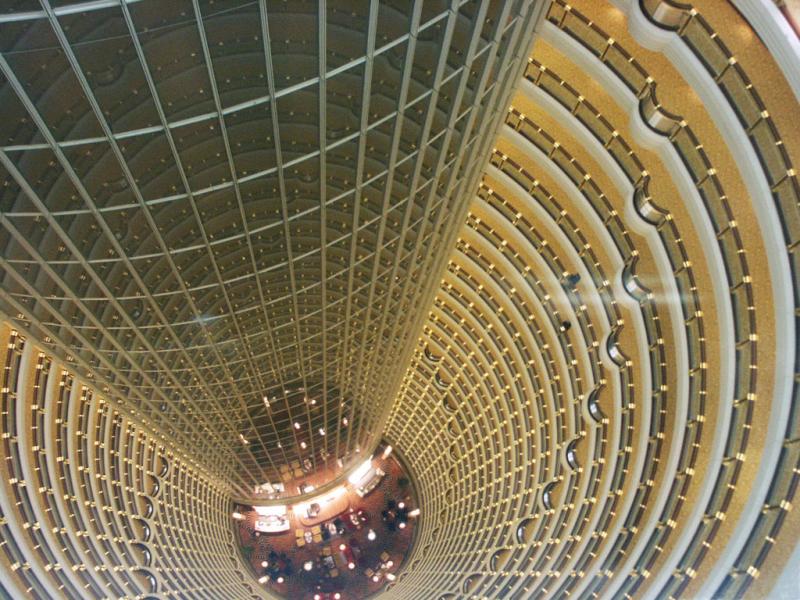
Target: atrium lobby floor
x=350 y=550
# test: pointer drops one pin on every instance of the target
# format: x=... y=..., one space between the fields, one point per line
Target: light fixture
x=303 y=445
x=244 y=439
x=322 y=431
x=401 y=505
x=336 y=596
x=342 y=546
x=371 y=535
x=414 y=513
x=375 y=578
x=280 y=579
x=264 y=564
x=296 y=425
x=308 y=565
x=263 y=579
x=387 y=452
x=390 y=576
x=402 y=525
x=238 y=516
x=360 y=472
x=351 y=565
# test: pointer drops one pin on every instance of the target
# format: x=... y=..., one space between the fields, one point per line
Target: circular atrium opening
x=345 y=543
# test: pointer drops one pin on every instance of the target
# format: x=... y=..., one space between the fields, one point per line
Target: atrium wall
x=603 y=402
x=227 y=210
x=93 y=505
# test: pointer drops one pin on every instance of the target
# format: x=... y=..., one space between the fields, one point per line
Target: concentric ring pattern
x=586 y=291
x=609 y=361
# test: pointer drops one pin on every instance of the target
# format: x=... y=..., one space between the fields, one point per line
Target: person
x=565 y=326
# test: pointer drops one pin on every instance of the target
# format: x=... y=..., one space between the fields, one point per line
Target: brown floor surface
x=351 y=584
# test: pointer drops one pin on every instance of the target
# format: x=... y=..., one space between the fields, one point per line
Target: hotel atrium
x=414 y=299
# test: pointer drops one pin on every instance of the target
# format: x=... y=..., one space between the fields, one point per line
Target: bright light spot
x=401 y=505
x=387 y=452
x=375 y=578
x=414 y=513
x=264 y=564
x=390 y=576
x=238 y=516
x=244 y=439
x=359 y=474
x=389 y=564
x=351 y=566
x=280 y=580
x=322 y=431
x=336 y=596
x=371 y=535
x=271 y=510
x=308 y=565
x=402 y=525
x=263 y=579
x=342 y=546
x=303 y=445
x=296 y=425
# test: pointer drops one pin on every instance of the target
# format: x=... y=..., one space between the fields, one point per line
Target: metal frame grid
x=230 y=216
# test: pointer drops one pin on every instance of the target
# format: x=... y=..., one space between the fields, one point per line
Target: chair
x=384 y=556
x=300 y=542
x=334 y=572
x=317 y=538
x=316 y=530
x=326 y=551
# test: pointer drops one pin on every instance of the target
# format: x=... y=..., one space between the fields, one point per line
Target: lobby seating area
x=351 y=546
